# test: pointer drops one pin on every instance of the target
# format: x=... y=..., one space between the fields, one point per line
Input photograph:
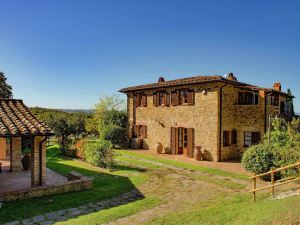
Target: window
x=182 y=97
x=248 y=98
x=161 y=98
x=140 y=100
x=234 y=137
x=273 y=100
x=226 y=138
x=251 y=138
x=140 y=131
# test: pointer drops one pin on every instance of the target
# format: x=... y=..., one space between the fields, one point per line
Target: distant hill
x=76 y=110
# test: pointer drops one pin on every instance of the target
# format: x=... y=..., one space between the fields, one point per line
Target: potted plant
x=26 y=160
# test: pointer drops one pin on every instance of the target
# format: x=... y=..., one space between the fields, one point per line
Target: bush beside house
x=281 y=147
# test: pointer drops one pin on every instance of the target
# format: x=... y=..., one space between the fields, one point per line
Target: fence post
x=299 y=176
x=254 y=187
x=273 y=181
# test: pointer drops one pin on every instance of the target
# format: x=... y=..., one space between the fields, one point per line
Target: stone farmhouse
x=217 y=116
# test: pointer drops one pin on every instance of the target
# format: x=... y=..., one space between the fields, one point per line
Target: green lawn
x=105 y=216
x=183 y=165
x=229 y=205
x=106 y=185
x=237 y=209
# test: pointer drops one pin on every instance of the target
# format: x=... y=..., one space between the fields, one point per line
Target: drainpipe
x=40 y=156
x=220 y=118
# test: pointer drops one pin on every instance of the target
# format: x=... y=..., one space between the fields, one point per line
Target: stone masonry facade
x=215 y=110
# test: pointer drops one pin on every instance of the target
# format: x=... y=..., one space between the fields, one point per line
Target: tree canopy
x=5 y=89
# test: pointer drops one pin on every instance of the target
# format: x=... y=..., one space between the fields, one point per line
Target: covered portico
x=17 y=125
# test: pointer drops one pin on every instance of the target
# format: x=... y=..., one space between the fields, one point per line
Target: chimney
x=161 y=79
x=277 y=86
x=231 y=77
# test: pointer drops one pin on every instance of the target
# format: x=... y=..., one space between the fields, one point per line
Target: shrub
x=285 y=157
x=98 y=153
x=115 y=134
x=258 y=159
x=284 y=149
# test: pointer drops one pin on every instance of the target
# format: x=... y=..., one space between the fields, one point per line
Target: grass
x=235 y=210
x=227 y=206
x=221 y=182
x=105 y=216
x=183 y=164
x=106 y=186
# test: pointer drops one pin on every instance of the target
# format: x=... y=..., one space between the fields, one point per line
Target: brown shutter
x=138 y=99
x=138 y=131
x=134 y=131
x=174 y=99
x=155 y=99
x=144 y=100
x=190 y=98
x=135 y=100
x=145 y=132
x=167 y=99
x=174 y=141
x=190 y=144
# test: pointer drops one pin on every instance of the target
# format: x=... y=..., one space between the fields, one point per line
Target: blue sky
x=69 y=53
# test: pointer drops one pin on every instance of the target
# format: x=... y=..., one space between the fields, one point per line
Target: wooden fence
x=274 y=183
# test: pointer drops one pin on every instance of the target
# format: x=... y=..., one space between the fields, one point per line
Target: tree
x=5 y=89
x=290 y=100
x=284 y=149
x=110 y=118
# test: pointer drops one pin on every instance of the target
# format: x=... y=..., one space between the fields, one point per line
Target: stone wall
x=35 y=161
x=243 y=118
x=3 y=149
x=203 y=117
x=85 y=183
x=16 y=164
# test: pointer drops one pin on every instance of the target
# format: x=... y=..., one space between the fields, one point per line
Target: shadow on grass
x=106 y=186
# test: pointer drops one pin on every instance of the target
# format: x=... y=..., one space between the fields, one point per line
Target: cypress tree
x=290 y=100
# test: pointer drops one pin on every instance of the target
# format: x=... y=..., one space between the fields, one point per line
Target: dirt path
x=179 y=188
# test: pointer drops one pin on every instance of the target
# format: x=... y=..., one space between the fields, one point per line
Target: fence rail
x=273 y=183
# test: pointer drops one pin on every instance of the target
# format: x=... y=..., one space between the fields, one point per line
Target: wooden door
x=190 y=142
x=182 y=141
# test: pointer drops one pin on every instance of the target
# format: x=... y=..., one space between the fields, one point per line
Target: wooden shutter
x=134 y=130
x=167 y=99
x=155 y=99
x=255 y=138
x=174 y=141
x=145 y=132
x=138 y=100
x=190 y=144
x=190 y=98
x=174 y=98
x=138 y=131
x=144 y=100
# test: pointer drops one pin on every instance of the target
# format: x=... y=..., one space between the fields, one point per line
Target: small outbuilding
x=19 y=127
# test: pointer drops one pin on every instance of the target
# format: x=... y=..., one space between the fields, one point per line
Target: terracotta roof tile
x=17 y=120
x=196 y=80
